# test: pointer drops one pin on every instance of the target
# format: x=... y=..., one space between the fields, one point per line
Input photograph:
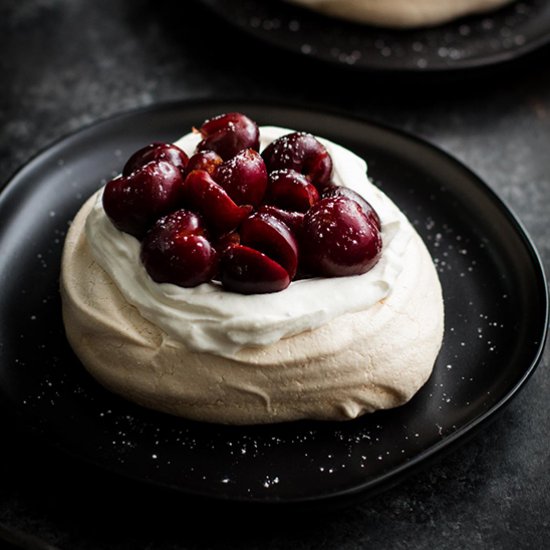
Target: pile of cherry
x=253 y=222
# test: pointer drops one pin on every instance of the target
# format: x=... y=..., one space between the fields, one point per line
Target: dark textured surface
x=65 y=63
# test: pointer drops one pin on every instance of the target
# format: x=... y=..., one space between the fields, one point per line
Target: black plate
x=469 y=42
x=496 y=313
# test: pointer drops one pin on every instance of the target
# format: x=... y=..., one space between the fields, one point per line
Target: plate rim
x=396 y=474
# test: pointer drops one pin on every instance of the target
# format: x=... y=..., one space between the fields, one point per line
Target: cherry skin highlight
x=244 y=177
x=176 y=250
x=156 y=151
x=290 y=190
x=293 y=220
x=339 y=191
x=228 y=134
x=271 y=236
x=302 y=152
x=134 y=202
x=338 y=239
x=249 y=271
x=203 y=195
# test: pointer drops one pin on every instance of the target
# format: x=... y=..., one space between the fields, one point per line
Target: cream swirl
x=209 y=319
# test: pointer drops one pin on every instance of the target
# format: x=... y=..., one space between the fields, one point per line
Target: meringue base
x=358 y=363
x=401 y=13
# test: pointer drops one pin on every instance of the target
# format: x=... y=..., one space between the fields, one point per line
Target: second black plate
x=469 y=42
x=496 y=314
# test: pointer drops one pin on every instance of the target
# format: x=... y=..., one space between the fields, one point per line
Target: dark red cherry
x=227 y=240
x=293 y=220
x=244 y=177
x=203 y=195
x=302 y=152
x=249 y=271
x=176 y=250
x=134 y=202
x=156 y=151
x=291 y=190
x=338 y=239
x=271 y=236
x=204 y=160
x=228 y=134
x=339 y=191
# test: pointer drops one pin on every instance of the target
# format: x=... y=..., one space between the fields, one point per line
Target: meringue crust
x=401 y=13
x=359 y=362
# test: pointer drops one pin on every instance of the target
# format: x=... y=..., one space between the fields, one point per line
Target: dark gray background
x=67 y=63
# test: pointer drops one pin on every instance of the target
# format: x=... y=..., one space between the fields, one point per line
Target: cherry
x=271 y=236
x=227 y=240
x=248 y=271
x=244 y=177
x=134 y=202
x=228 y=134
x=203 y=160
x=176 y=250
x=339 y=191
x=302 y=222
x=291 y=190
x=338 y=239
x=156 y=151
x=203 y=195
x=293 y=220
x=301 y=152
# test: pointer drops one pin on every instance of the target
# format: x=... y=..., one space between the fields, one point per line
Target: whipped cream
x=208 y=318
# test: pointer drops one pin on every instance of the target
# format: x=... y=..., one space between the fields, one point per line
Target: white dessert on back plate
x=323 y=348
x=401 y=13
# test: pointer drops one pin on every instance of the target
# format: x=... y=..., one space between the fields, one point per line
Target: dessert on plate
x=247 y=275
x=401 y=13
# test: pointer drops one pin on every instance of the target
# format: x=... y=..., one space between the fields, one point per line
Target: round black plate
x=465 y=43
x=496 y=313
